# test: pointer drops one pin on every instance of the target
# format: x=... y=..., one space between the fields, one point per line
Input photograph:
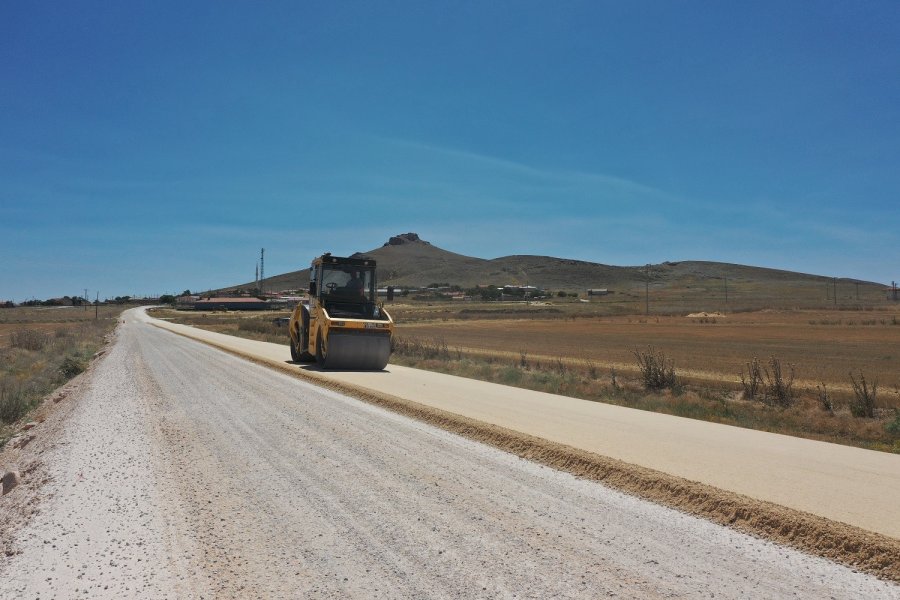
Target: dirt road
x=183 y=471
x=845 y=484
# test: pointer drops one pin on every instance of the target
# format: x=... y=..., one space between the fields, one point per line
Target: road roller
x=342 y=326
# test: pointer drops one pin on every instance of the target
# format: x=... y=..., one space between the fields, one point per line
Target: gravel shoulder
x=183 y=471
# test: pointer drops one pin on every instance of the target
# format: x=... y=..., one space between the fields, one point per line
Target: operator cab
x=345 y=287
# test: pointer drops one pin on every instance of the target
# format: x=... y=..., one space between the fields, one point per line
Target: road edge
x=51 y=416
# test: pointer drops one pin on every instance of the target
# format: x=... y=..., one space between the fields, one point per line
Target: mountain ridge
x=406 y=260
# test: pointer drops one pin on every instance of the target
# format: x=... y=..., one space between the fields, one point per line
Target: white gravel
x=186 y=472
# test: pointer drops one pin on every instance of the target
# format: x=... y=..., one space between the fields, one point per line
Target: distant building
x=185 y=302
x=893 y=292
x=285 y=301
x=597 y=292
x=230 y=304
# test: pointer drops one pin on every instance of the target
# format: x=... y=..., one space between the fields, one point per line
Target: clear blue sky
x=148 y=147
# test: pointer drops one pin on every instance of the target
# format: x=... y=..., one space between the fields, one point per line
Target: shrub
x=778 y=389
x=770 y=381
x=71 y=366
x=862 y=404
x=14 y=402
x=825 y=401
x=510 y=375
x=893 y=427
x=753 y=380
x=657 y=371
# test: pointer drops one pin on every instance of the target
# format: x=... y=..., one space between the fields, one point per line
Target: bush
x=893 y=427
x=778 y=389
x=14 y=402
x=657 y=371
x=770 y=381
x=862 y=404
x=71 y=366
x=825 y=401
x=510 y=375
x=752 y=382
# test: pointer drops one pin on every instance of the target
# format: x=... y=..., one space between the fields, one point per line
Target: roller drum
x=357 y=351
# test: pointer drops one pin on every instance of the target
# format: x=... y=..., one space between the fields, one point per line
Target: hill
x=407 y=261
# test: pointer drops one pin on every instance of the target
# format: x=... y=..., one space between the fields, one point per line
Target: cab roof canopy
x=364 y=261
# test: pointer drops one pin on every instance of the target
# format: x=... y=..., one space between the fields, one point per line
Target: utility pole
x=262 y=269
x=834 y=282
x=726 y=293
x=85 y=298
x=97 y=307
x=647 y=292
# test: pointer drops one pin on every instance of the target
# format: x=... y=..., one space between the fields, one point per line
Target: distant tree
x=561 y=294
x=485 y=293
x=186 y=293
x=168 y=299
x=8 y=304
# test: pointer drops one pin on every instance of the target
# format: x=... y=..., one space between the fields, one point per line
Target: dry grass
x=40 y=350
x=252 y=325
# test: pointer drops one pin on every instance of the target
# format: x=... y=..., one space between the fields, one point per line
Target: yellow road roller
x=342 y=326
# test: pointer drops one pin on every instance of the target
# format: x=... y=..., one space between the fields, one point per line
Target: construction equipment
x=341 y=326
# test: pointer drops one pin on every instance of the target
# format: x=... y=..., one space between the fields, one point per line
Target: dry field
x=40 y=349
x=49 y=319
x=823 y=346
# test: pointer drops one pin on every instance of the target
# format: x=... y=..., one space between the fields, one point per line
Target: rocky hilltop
x=405 y=238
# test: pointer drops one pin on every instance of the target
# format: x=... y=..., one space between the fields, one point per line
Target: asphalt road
x=183 y=471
